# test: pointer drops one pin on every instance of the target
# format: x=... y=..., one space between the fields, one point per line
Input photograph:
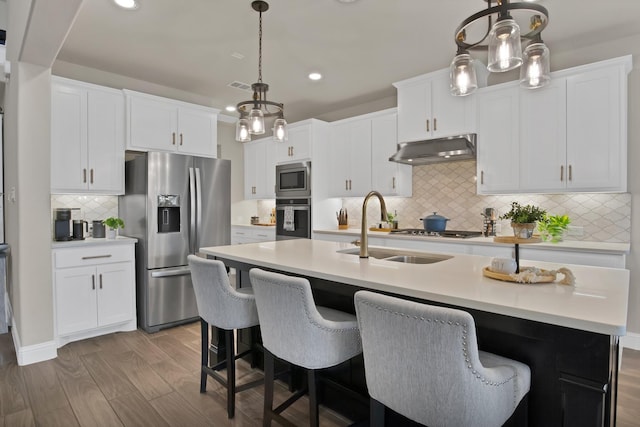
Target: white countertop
x=597 y=303
x=90 y=241
x=573 y=245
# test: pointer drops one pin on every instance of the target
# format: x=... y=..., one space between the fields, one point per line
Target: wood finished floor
x=139 y=379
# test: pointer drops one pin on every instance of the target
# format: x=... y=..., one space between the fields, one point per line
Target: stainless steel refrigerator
x=173 y=205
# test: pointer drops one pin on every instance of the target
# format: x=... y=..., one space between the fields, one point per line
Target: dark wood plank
x=44 y=388
x=140 y=374
x=89 y=405
x=61 y=417
x=186 y=356
x=178 y=412
x=135 y=411
x=140 y=342
x=112 y=382
x=22 y=418
x=13 y=392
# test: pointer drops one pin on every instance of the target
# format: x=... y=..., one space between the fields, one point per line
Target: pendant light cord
x=260 y=50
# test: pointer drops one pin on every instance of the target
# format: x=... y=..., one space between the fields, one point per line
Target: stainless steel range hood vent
x=449 y=149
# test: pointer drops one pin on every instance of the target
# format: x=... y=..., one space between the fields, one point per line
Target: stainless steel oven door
x=293 y=219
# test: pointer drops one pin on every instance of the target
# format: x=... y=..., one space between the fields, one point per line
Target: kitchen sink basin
x=395 y=255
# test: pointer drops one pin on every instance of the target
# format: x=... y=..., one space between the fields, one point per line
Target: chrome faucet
x=364 y=242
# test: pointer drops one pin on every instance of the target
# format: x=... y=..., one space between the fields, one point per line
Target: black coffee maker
x=62 y=225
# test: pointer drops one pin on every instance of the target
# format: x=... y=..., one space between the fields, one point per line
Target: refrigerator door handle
x=196 y=240
x=181 y=271
x=192 y=201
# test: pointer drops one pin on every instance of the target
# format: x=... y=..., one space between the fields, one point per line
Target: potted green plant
x=553 y=227
x=523 y=219
x=113 y=223
x=392 y=220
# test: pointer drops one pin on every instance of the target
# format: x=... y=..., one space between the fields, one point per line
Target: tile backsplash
x=91 y=207
x=450 y=190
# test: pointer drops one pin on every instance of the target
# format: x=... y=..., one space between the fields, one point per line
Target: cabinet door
x=105 y=132
x=250 y=151
x=152 y=124
x=543 y=138
x=297 y=147
x=389 y=178
x=451 y=115
x=115 y=286
x=350 y=148
x=498 y=146
x=75 y=299
x=197 y=132
x=414 y=109
x=68 y=138
x=596 y=131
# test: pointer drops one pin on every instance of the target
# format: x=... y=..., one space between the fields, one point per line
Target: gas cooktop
x=447 y=233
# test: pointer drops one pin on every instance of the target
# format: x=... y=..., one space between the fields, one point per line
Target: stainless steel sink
x=395 y=255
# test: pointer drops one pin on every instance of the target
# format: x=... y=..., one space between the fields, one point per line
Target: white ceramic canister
x=503 y=265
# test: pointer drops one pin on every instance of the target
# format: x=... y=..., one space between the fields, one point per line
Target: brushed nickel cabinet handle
x=91 y=174
x=180 y=138
x=84 y=176
x=427 y=125
x=93 y=282
x=346 y=184
x=349 y=184
x=394 y=183
x=173 y=138
x=481 y=177
x=100 y=281
x=435 y=124
x=97 y=256
x=570 y=174
x=561 y=173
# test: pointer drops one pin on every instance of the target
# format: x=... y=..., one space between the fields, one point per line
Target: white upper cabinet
x=497 y=142
x=297 y=147
x=570 y=136
x=87 y=138
x=260 y=169
x=597 y=129
x=426 y=108
x=389 y=178
x=543 y=130
x=350 y=148
x=161 y=124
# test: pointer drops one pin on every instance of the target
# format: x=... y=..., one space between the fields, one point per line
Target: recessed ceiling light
x=128 y=4
x=315 y=76
x=230 y=108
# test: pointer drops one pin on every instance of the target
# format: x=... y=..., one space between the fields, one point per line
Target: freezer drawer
x=171 y=299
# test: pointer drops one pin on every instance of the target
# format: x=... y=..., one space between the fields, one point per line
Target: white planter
x=112 y=233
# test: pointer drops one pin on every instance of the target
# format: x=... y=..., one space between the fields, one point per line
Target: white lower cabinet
x=241 y=234
x=94 y=291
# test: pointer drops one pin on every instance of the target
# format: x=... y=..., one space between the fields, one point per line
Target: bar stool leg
x=268 y=388
x=204 y=334
x=314 y=419
x=376 y=413
x=231 y=373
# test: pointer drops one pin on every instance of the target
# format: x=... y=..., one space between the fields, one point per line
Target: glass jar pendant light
x=505 y=49
x=253 y=113
x=462 y=75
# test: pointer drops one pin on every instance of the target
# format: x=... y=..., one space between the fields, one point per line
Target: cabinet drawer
x=92 y=255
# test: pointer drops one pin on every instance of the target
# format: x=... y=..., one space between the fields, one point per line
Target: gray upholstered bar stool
x=295 y=330
x=226 y=308
x=423 y=362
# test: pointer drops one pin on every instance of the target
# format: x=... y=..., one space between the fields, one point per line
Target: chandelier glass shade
x=254 y=112
x=495 y=30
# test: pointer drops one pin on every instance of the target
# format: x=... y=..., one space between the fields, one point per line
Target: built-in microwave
x=293 y=180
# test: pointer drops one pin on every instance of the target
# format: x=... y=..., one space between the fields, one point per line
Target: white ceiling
x=361 y=48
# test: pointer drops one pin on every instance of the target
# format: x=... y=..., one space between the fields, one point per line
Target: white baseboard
x=27 y=355
x=631 y=341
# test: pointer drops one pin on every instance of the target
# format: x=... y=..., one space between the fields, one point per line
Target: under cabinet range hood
x=439 y=150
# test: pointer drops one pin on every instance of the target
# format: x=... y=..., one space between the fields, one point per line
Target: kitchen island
x=568 y=335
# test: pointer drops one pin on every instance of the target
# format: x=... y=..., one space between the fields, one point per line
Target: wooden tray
x=514 y=239
x=264 y=224
x=379 y=229
x=507 y=278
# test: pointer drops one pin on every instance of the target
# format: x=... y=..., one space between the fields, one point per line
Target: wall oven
x=293 y=180
x=293 y=219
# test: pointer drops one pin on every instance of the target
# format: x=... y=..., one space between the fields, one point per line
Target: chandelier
x=253 y=112
x=502 y=39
